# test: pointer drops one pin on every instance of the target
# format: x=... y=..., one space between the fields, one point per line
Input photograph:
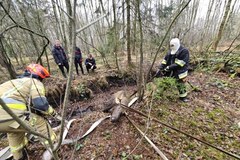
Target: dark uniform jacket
x=178 y=63
x=59 y=55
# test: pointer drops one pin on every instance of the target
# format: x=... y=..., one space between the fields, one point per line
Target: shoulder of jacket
x=38 y=84
x=53 y=49
x=182 y=50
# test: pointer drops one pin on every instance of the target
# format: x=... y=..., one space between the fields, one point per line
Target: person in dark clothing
x=175 y=64
x=60 y=57
x=78 y=60
x=90 y=63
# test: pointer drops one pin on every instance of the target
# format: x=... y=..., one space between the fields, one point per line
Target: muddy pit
x=109 y=140
x=210 y=115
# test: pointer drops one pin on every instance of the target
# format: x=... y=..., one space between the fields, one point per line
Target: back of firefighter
x=175 y=64
x=17 y=94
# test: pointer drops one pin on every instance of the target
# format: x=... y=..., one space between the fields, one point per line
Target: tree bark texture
x=222 y=25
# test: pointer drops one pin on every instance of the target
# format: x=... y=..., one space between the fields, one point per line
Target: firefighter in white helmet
x=17 y=94
x=175 y=64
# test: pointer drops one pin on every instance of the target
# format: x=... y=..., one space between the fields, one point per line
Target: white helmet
x=174 y=45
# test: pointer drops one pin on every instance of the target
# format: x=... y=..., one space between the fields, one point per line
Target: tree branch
x=67 y=91
x=69 y=16
x=96 y=20
x=227 y=50
x=165 y=36
x=27 y=29
x=9 y=28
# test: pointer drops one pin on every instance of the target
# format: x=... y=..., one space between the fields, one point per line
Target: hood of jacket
x=174 y=45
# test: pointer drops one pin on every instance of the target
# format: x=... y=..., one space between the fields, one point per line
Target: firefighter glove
x=51 y=111
x=167 y=69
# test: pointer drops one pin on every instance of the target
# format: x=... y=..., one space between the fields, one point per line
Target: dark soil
x=212 y=115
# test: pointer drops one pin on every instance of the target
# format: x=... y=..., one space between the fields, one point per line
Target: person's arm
x=54 y=52
x=163 y=64
x=65 y=54
x=80 y=54
x=94 y=62
x=39 y=100
x=86 y=61
x=181 y=60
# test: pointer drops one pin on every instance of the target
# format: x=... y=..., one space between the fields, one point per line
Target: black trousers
x=88 y=66
x=78 y=62
x=61 y=67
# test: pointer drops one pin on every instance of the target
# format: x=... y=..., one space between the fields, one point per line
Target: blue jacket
x=178 y=63
x=88 y=60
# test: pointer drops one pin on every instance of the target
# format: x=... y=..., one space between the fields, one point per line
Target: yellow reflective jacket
x=16 y=94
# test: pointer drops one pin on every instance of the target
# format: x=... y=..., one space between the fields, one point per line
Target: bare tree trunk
x=84 y=46
x=101 y=3
x=20 y=53
x=40 y=25
x=31 y=35
x=57 y=25
x=229 y=21
x=73 y=45
x=134 y=30
x=86 y=33
x=222 y=25
x=89 y=32
x=206 y=24
x=115 y=34
x=69 y=11
x=140 y=76
x=5 y=60
x=123 y=25
x=10 y=46
x=62 y=21
x=129 y=60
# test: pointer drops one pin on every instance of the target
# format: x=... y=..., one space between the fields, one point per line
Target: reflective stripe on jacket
x=14 y=104
x=178 y=63
x=16 y=93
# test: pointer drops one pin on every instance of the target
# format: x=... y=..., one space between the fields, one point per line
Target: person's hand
x=51 y=112
x=158 y=73
x=59 y=64
x=161 y=68
x=92 y=67
x=90 y=64
x=167 y=69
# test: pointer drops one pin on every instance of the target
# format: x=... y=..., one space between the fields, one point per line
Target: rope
x=149 y=141
x=186 y=134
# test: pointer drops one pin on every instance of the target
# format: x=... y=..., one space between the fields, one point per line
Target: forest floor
x=213 y=115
